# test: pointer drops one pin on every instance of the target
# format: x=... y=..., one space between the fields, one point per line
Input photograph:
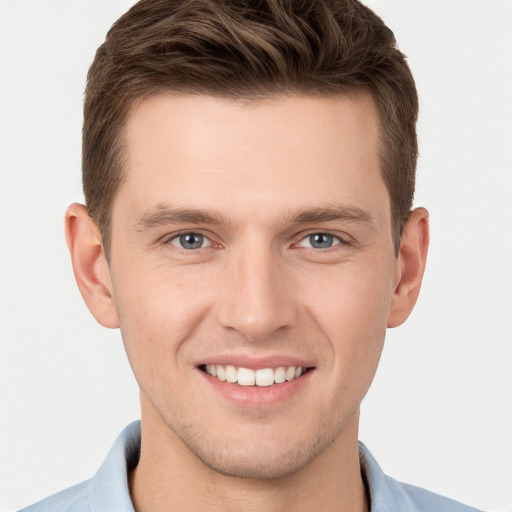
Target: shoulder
x=388 y=494
x=73 y=499
x=108 y=489
x=427 y=501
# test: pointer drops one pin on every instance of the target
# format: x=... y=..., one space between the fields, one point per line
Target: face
x=253 y=270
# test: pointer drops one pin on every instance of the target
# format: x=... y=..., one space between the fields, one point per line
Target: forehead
x=290 y=151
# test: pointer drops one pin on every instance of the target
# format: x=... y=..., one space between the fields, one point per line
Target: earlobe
x=90 y=266
x=411 y=262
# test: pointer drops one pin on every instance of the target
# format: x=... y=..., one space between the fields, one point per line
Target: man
x=248 y=169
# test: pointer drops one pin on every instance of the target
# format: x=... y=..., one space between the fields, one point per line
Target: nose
x=256 y=301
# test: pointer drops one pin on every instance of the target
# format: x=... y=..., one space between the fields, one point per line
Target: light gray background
x=440 y=411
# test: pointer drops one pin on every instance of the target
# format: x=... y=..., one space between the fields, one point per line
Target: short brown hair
x=246 y=49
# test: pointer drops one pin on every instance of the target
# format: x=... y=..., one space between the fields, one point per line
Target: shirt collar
x=385 y=492
x=109 y=490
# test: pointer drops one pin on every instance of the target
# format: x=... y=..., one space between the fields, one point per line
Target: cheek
x=352 y=312
x=353 y=296
x=158 y=311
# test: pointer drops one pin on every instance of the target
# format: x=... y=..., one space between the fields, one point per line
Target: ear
x=411 y=266
x=90 y=266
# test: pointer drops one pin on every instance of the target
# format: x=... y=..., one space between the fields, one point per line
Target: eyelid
x=340 y=239
x=168 y=239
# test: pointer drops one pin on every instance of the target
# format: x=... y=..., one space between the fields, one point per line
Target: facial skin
x=252 y=184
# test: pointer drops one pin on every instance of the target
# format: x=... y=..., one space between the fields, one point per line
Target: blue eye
x=320 y=241
x=190 y=241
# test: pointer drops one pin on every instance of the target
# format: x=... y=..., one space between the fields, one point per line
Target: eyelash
x=168 y=241
x=340 y=241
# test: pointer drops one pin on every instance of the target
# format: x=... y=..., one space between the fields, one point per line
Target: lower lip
x=258 y=396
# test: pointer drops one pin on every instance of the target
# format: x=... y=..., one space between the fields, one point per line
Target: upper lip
x=256 y=362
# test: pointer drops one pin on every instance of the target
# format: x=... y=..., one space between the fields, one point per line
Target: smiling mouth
x=262 y=377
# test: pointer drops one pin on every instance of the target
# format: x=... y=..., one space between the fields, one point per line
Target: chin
x=258 y=459
x=260 y=464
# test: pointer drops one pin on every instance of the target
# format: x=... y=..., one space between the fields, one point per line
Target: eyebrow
x=330 y=213
x=164 y=214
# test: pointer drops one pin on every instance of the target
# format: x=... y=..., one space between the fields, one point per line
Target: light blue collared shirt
x=108 y=491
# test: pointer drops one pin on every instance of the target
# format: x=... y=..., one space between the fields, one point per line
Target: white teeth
x=264 y=377
x=231 y=373
x=290 y=373
x=247 y=377
x=280 y=375
x=221 y=372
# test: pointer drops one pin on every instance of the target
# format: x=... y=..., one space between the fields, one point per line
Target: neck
x=170 y=477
